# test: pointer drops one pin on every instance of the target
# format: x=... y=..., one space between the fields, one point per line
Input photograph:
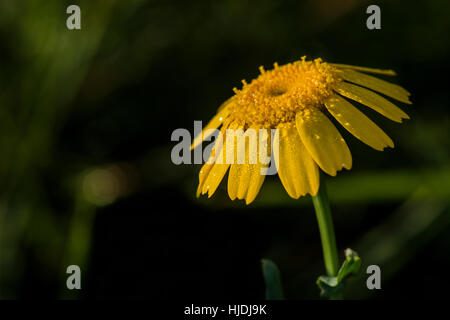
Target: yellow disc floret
x=277 y=95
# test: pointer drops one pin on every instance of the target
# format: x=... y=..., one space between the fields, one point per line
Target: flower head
x=298 y=99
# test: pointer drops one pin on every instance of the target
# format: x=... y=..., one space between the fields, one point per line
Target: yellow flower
x=295 y=99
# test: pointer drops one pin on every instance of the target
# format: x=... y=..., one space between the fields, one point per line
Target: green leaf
x=350 y=266
x=332 y=286
x=329 y=286
x=272 y=279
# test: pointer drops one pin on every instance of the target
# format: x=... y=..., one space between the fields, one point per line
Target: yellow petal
x=384 y=87
x=297 y=170
x=323 y=141
x=214 y=178
x=256 y=182
x=364 y=69
x=245 y=180
x=226 y=103
x=357 y=123
x=257 y=176
x=204 y=171
x=220 y=167
x=372 y=100
x=237 y=182
x=206 y=168
x=215 y=123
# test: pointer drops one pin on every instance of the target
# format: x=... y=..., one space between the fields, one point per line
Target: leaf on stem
x=331 y=286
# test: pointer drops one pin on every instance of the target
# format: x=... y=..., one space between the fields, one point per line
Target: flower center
x=276 y=90
x=275 y=96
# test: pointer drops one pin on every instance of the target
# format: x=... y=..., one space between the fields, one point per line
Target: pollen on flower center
x=275 y=96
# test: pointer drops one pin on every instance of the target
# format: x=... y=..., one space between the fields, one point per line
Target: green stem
x=325 y=221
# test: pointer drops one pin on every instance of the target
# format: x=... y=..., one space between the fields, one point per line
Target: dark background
x=86 y=178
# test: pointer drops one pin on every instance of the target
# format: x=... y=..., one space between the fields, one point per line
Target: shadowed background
x=86 y=177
